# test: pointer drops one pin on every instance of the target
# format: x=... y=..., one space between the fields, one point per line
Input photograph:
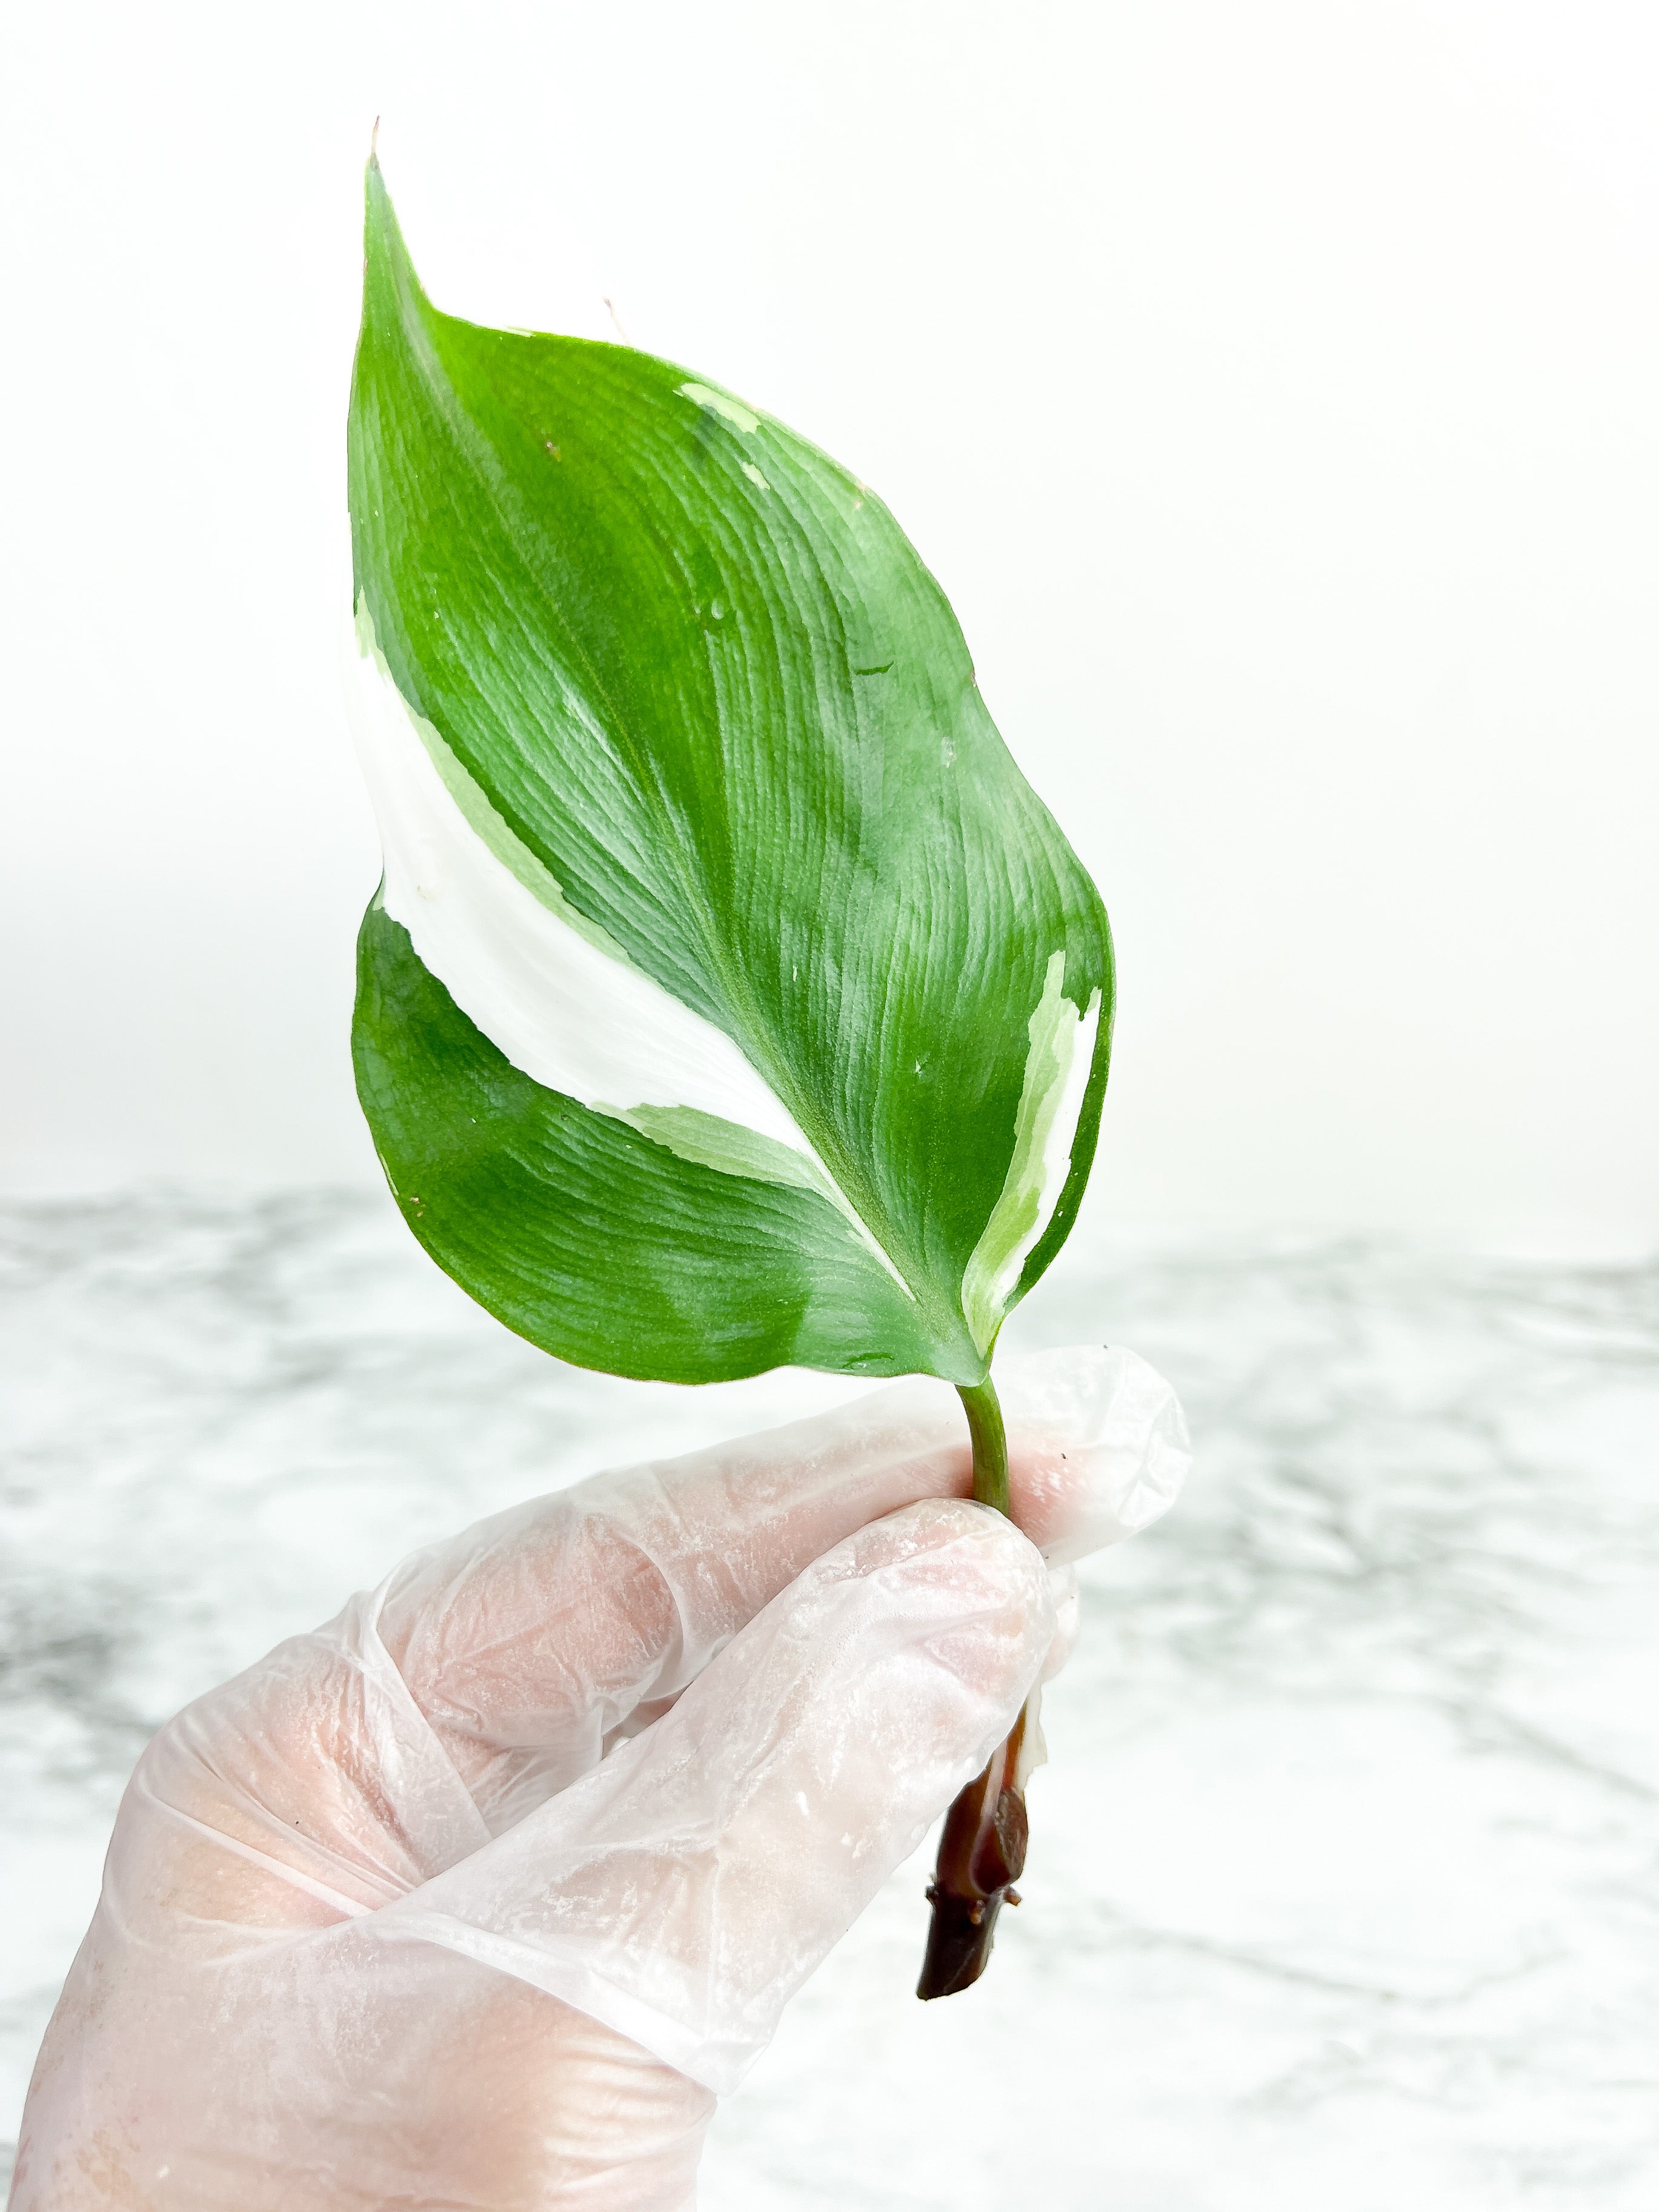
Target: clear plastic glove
x=480 y=1895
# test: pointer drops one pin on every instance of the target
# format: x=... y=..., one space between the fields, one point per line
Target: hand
x=477 y=1896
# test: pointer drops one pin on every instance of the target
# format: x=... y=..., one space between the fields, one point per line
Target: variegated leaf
x=730 y=998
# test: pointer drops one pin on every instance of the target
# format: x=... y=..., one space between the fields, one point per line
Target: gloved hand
x=478 y=1896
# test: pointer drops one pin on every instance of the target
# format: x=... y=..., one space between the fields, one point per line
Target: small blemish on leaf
x=552 y=449
x=880 y=669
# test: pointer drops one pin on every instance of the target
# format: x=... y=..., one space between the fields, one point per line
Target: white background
x=1271 y=386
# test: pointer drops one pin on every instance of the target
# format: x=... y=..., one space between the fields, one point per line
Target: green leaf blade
x=695 y=675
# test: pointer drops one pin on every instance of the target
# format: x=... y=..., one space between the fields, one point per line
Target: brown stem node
x=982 y=1852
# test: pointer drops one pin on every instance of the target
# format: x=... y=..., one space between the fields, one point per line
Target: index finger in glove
x=533 y=1637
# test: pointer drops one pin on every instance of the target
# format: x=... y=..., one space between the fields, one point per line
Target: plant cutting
x=730 y=999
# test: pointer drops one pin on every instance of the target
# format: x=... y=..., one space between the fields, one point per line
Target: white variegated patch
x=721 y=403
x=1057 y=1068
x=548 y=988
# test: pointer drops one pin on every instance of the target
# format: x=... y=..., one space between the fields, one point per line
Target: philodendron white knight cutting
x=730 y=999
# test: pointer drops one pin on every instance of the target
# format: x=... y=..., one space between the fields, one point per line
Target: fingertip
x=1098 y=1447
x=984 y=1552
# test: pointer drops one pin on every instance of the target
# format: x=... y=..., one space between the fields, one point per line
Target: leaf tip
x=388 y=271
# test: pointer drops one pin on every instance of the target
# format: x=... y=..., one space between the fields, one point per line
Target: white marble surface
x=1344 y=1880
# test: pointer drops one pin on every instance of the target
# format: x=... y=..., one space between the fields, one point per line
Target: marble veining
x=1344 y=1874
